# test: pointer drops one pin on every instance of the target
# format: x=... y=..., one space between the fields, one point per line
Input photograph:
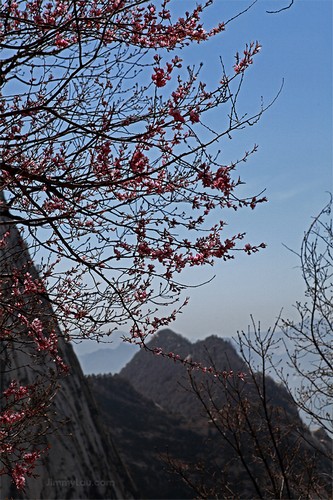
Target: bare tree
x=258 y=446
x=259 y=421
x=308 y=340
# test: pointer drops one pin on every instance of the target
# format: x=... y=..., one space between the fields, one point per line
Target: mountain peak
x=158 y=378
x=169 y=339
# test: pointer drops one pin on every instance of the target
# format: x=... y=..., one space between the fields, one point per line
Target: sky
x=293 y=163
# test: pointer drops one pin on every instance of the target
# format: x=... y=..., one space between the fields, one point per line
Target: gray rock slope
x=82 y=462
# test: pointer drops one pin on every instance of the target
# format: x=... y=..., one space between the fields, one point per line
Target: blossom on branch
x=109 y=166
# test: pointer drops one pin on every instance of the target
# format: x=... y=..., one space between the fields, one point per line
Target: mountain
x=107 y=359
x=82 y=461
x=164 y=381
x=249 y=433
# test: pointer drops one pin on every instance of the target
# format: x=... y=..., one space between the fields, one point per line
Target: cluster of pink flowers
x=194 y=116
x=18 y=475
x=248 y=248
x=161 y=75
x=61 y=42
x=33 y=286
x=23 y=406
x=16 y=391
x=54 y=204
x=247 y=59
x=3 y=240
x=139 y=162
x=176 y=115
x=150 y=30
x=10 y=417
x=221 y=179
x=24 y=469
x=139 y=25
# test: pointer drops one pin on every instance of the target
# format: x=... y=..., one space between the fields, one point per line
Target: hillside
x=146 y=435
x=250 y=432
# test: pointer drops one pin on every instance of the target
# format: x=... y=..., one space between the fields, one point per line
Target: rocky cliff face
x=82 y=462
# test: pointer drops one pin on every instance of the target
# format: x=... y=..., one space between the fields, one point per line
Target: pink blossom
x=18 y=474
x=194 y=116
x=31 y=457
x=176 y=115
x=247 y=60
x=11 y=417
x=18 y=391
x=61 y=42
x=160 y=78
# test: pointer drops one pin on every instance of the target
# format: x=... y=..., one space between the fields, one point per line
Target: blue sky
x=293 y=163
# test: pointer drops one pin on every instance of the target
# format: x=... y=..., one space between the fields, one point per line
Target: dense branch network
x=106 y=157
x=111 y=170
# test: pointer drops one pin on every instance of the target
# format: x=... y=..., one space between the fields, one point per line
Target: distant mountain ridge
x=107 y=359
x=145 y=436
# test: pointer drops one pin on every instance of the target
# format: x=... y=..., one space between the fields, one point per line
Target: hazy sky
x=293 y=163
